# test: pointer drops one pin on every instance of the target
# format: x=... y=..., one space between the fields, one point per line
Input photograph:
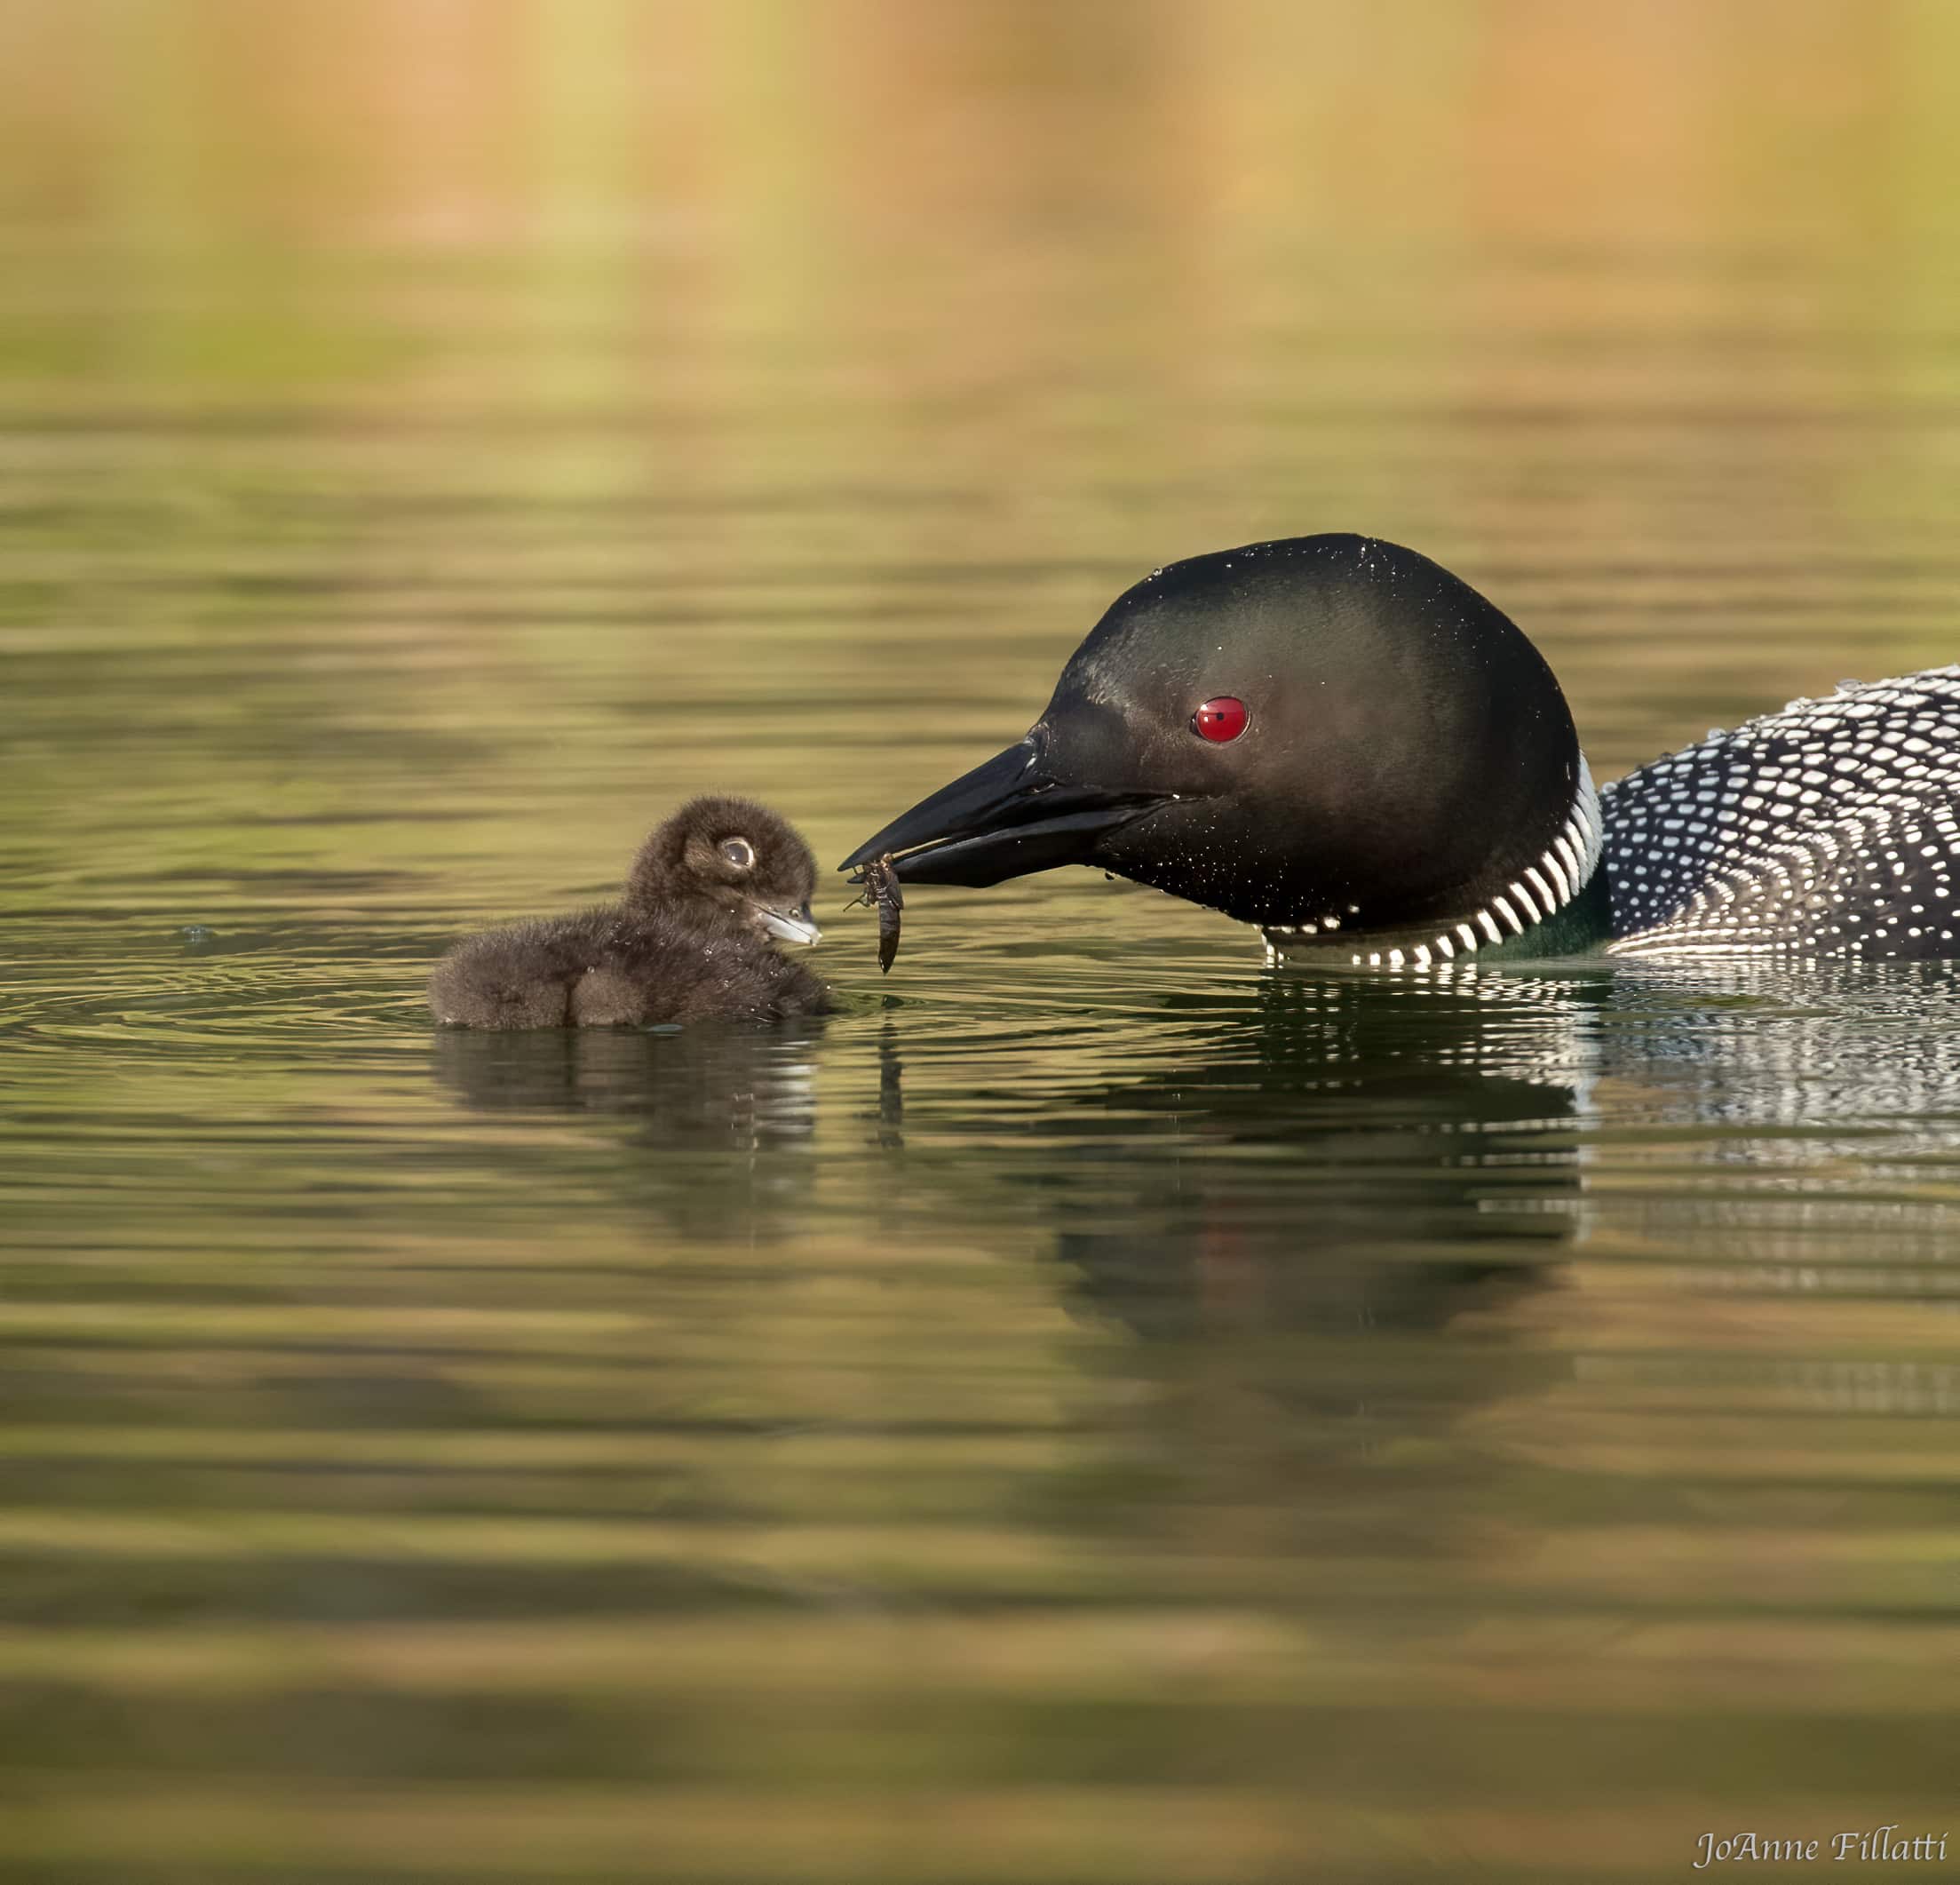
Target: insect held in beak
x=881 y=892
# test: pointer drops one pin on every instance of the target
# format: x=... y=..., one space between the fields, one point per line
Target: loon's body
x=689 y=939
x=1825 y=832
x=1335 y=740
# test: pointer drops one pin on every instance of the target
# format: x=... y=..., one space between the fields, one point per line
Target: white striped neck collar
x=1539 y=892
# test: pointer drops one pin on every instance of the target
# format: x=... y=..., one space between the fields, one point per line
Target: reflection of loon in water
x=1348 y=1161
x=1824 y=1117
x=1345 y=1156
x=1336 y=1155
x=1854 y=1046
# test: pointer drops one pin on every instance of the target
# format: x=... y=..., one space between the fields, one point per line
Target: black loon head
x=1317 y=733
x=727 y=863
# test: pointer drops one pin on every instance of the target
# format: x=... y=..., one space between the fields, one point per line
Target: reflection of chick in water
x=730 y=1111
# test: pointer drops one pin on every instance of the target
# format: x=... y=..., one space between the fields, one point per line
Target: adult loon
x=689 y=939
x=1335 y=739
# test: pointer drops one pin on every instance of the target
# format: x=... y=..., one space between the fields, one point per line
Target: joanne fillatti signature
x=1882 y=1842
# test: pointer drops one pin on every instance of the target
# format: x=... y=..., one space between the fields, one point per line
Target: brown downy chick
x=709 y=891
x=726 y=863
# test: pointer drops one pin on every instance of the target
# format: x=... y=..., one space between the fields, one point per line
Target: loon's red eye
x=1223 y=719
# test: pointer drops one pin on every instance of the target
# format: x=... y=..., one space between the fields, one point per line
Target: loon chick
x=1337 y=740
x=688 y=941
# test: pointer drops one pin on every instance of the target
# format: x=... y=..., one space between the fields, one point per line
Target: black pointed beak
x=1004 y=819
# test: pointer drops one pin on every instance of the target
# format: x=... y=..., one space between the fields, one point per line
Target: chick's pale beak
x=792 y=926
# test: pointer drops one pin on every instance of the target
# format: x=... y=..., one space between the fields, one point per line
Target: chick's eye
x=739 y=852
x=1221 y=719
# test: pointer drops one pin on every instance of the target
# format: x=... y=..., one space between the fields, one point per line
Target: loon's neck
x=1556 y=906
